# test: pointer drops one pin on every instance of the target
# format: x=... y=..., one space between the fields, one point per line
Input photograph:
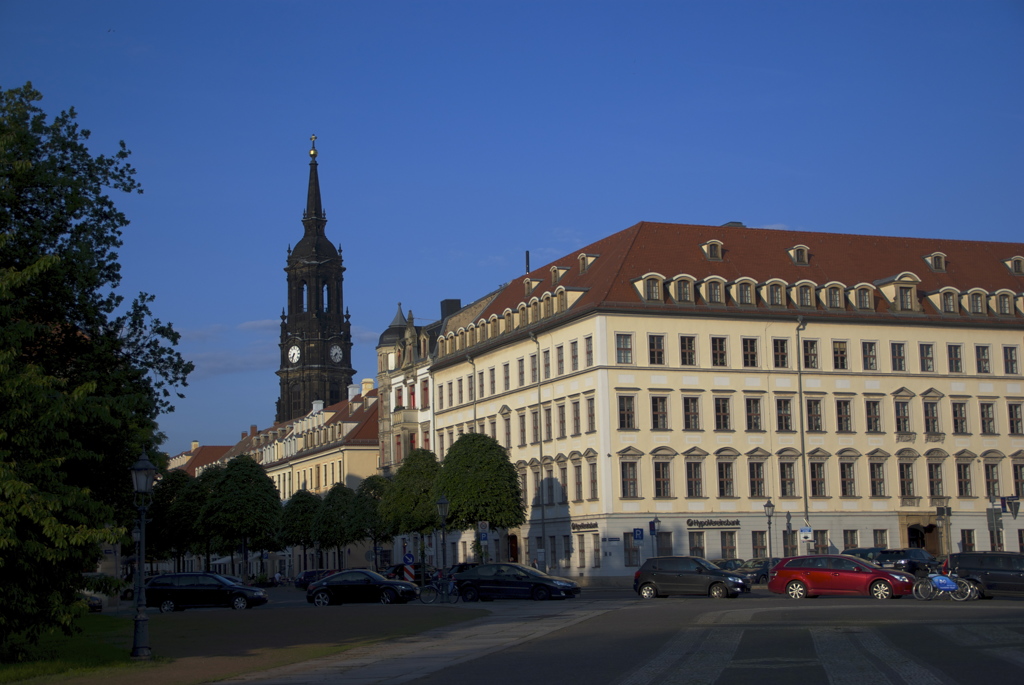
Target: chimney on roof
x=252 y=429
x=734 y=224
x=449 y=307
x=318 y=405
x=195 y=445
x=243 y=435
x=353 y=390
x=367 y=386
x=527 y=261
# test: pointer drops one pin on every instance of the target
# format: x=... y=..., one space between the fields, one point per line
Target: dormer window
x=805 y=295
x=949 y=303
x=775 y=295
x=1004 y=305
x=684 y=291
x=977 y=306
x=508 y=321
x=714 y=292
x=863 y=298
x=713 y=250
x=652 y=290
x=1017 y=266
x=746 y=293
x=834 y=298
x=800 y=254
x=563 y=301
x=936 y=262
x=547 y=306
x=906 y=298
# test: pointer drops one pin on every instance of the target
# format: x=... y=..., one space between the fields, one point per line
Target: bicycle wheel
x=923 y=589
x=453 y=594
x=428 y=593
x=964 y=590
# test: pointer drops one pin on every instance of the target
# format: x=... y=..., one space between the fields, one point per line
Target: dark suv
x=177 y=591
x=994 y=573
x=661 y=576
x=916 y=561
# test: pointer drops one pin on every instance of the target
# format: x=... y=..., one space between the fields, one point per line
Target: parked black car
x=512 y=581
x=303 y=580
x=178 y=591
x=914 y=560
x=396 y=571
x=993 y=573
x=865 y=553
x=756 y=571
x=728 y=564
x=663 y=576
x=462 y=566
x=359 y=585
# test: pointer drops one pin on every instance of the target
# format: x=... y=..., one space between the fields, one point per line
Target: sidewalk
x=404 y=659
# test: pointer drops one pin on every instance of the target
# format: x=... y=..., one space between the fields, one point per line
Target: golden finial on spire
x=312 y=151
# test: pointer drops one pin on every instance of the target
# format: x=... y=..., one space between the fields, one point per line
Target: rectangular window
x=749 y=352
x=902 y=409
x=784 y=414
x=877 y=472
x=927 y=351
x=818 y=479
x=814 y=422
x=1010 y=360
x=725 y=479
x=522 y=372
x=848 y=479
x=577 y=478
x=899 y=356
x=906 y=471
x=728 y=544
x=629 y=479
x=722 y=422
x=592 y=467
x=534 y=371
x=810 y=354
x=623 y=348
x=662 y=479
x=780 y=353
x=458 y=386
x=753 y=405
x=659 y=413
x=839 y=359
x=756 y=471
x=656 y=345
x=991 y=480
x=869 y=353
x=547 y=423
x=759 y=543
x=873 y=415
x=960 y=417
x=789 y=543
x=595 y=550
x=522 y=430
x=981 y=352
x=906 y=298
x=694 y=484
x=630 y=549
x=588 y=350
x=480 y=383
x=575 y=418
x=931 y=417
x=844 y=416
x=506 y=376
x=850 y=539
x=492 y=380
x=559 y=360
x=626 y=415
x=691 y=413
x=1016 y=419
x=696 y=539
x=880 y=537
x=787 y=479
x=574 y=355
x=591 y=418
x=451 y=398
x=963 y=479
x=820 y=544
x=508 y=431
x=718 y=352
x=547 y=364
x=966 y=540
x=561 y=420
x=988 y=418
x=956 y=362
x=1018 y=480
x=535 y=421
x=935 y=479
x=687 y=350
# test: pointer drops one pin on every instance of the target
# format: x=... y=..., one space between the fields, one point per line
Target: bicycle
x=440 y=588
x=936 y=585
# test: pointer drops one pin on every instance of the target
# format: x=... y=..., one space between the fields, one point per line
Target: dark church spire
x=314 y=209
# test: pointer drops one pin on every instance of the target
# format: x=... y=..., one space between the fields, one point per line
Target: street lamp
x=769 y=511
x=442 y=511
x=143 y=475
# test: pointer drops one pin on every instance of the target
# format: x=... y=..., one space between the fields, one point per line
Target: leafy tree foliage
x=166 y=535
x=187 y=512
x=409 y=503
x=244 y=506
x=83 y=377
x=367 y=514
x=481 y=484
x=334 y=525
x=297 y=519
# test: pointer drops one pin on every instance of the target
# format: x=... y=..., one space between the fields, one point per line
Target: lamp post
x=442 y=511
x=769 y=511
x=143 y=475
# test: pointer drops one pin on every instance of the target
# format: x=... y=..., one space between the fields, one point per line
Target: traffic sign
x=1011 y=504
x=408 y=558
x=483 y=526
x=806 y=534
x=638 y=534
x=483 y=537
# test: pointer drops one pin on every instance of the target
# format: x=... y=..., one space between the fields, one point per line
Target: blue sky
x=454 y=136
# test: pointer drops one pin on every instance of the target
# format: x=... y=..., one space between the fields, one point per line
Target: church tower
x=316 y=338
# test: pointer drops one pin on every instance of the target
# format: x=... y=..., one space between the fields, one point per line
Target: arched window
x=563 y=301
x=508 y=321
x=713 y=252
x=976 y=306
x=1004 y=304
x=652 y=289
x=683 y=291
x=863 y=298
x=535 y=312
x=833 y=298
x=938 y=263
x=714 y=292
x=805 y=296
x=303 y=295
x=325 y=299
x=775 y=294
x=800 y=255
x=547 y=307
x=1018 y=266
x=948 y=303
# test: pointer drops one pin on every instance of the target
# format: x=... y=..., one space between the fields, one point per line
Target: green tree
x=368 y=517
x=334 y=525
x=83 y=377
x=410 y=503
x=297 y=519
x=244 y=507
x=187 y=512
x=481 y=484
x=165 y=534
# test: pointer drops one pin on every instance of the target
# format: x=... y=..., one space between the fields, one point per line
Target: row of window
x=539 y=308
x=819 y=479
x=815 y=420
x=812 y=354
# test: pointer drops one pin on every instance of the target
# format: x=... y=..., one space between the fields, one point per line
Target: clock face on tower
x=293 y=354
x=335 y=354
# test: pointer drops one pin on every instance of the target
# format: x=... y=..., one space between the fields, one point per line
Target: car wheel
x=387 y=596
x=239 y=602
x=321 y=599
x=718 y=591
x=166 y=606
x=796 y=590
x=881 y=590
x=648 y=591
x=469 y=593
x=541 y=593
x=762 y=580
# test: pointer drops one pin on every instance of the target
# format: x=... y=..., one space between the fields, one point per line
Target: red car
x=835 y=574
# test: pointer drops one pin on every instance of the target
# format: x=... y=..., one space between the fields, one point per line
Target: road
x=610 y=637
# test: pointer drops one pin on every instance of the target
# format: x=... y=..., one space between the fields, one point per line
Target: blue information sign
x=638 y=533
x=408 y=558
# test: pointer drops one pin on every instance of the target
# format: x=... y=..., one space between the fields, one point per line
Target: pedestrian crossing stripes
x=837 y=655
